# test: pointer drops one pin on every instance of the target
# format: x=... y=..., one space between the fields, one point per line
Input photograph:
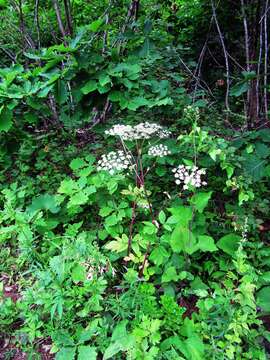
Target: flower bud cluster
x=114 y=161
x=159 y=150
x=143 y=130
x=189 y=176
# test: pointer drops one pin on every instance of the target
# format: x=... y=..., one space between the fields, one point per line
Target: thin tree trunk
x=36 y=16
x=225 y=57
x=265 y=99
x=59 y=19
x=67 y=6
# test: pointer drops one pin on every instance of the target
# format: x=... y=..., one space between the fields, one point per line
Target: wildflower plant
x=143 y=135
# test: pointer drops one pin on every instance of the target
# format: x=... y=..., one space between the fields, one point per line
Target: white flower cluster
x=159 y=150
x=192 y=113
x=143 y=130
x=114 y=161
x=189 y=176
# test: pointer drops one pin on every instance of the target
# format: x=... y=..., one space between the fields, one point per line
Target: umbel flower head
x=114 y=161
x=140 y=131
x=189 y=176
x=159 y=150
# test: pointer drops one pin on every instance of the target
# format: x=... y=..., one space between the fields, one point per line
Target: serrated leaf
x=112 y=350
x=104 y=79
x=66 y=354
x=87 y=353
x=78 y=273
x=89 y=87
x=78 y=199
x=77 y=163
x=105 y=211
x=159 y=255
x=5 y=119
x=169 y=275
x=137 y=102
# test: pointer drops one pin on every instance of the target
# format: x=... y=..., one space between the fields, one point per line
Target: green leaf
x=137 y=102
x=112 y=350
x=263 y=299
x=66 y=354
x=182 y=239
x=95 y=25
x=44 y=202
x=200 y=200
x=181 y=215
x=193 y=348
x=162 y=217
x=105 y=211
x=169 y=275
x=206 y=243
x=89 y=87
x=159 y=255
x=87 y=353
x=77 y=164
x=239 y=89
x=119 y=245
x=104 y=79
x=78 y=273
x=78 y=199
x=5 y=119
x=229 y=243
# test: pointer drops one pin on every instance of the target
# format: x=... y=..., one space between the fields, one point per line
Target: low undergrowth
x=156 y=249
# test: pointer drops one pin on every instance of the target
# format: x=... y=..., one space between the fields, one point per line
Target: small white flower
x=114 y=161
x=143 y=130
x=159 y=150
x=189 y=176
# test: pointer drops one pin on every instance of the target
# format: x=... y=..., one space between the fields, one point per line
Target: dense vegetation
x=135 y=179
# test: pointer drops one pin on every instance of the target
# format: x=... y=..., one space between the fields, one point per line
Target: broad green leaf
x=112 y=350
x=182 y=239
x=263 y=299
x=206 y=243
x=181 y=215
x=229 y=243
x=200 y=200
x=162 y=217
x=5 y=119
x=193 y=348
x=159 y=255
x=78 y=199
x=87 y=353
x=89 y=87
x=137 y=102
x=44 y=202
x=78 y=273
x=104 y=79
x=66 y=354
x=105 y=211
x=170 y=275
x=77 y=163
x=95 y=25
x=239 y=89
